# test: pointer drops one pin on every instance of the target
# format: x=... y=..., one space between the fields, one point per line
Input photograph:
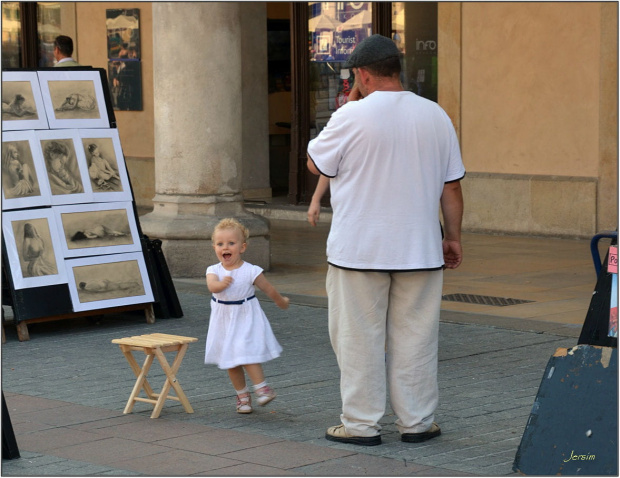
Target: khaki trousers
x=384 y=327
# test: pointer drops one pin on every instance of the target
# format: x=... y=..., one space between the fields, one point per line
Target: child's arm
x=263 y=284
x=215 y=285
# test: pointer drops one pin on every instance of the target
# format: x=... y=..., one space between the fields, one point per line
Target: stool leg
x=171 y=380
x=137 y=371
x=176 y=364
x=139 y=383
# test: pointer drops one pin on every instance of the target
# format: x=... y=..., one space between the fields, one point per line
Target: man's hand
x=314 y=211
x=452 y=254
x=355 y=94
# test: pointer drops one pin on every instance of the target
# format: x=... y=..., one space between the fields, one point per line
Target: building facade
x=531 y=87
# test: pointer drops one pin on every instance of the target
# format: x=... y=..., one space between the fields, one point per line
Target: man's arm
x=452 y=209
x=311 y=167
x=314 y=210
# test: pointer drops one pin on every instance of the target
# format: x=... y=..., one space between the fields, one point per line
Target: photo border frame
x=45 y=198
x=19 y=281
x=97 y=250
x=61 y=74
x=41 y=121
x=126 y=194
x=72 y=134
x=107 y=303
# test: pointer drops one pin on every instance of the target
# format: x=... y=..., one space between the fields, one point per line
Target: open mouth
x=227 y=255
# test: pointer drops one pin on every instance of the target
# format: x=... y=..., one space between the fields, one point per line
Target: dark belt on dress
x=231 y=302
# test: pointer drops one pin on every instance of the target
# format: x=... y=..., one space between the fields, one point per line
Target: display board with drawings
x=71 y=237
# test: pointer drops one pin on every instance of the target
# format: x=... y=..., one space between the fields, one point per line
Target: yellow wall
x=530 y=87
x=136 y=128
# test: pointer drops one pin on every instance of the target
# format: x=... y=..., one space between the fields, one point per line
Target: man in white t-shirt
x=393 y=159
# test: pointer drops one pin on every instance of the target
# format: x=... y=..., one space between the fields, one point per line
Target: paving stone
x=71 y=378
x=176 y=462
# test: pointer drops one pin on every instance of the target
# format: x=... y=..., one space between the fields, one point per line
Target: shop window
x=334 y=29
x=29 y=30
x=11 y=35
x=53 y=19
x=414 y=30
x=48 y=28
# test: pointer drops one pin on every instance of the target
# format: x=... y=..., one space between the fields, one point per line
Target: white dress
x=239 y=334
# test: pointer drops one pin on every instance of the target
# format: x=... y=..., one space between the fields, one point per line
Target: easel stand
x=53 y=302
x=22 y=327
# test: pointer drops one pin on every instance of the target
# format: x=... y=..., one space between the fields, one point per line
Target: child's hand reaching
x=264 y=285
x=283 y=303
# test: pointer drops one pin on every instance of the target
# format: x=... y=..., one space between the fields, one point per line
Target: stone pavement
x=67 y=387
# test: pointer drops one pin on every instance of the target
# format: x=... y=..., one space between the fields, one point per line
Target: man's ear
x=363 y=74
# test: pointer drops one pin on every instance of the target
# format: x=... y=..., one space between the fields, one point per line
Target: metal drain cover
x=484 y=300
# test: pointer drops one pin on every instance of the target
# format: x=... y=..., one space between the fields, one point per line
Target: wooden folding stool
x=155 y=345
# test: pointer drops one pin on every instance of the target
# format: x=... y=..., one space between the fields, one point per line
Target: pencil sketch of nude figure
x=96 y=228
x=62 y=167
x=18 y=175
x=75 y=99
x=35 y=247
x=18 y=101
x=16 y=108
x=108 y=281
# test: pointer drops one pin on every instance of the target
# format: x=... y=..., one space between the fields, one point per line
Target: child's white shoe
x=244 y=403
x=264 y=395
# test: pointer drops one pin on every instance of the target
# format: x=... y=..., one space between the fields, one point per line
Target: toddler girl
x=240 y=337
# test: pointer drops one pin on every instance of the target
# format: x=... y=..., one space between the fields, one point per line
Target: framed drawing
x=74 y=99
x=98 y=228
x=32 y=245
x=108 y=179
x=100 y=282
x=65 y=165
x=22 y=102
x=24 y=179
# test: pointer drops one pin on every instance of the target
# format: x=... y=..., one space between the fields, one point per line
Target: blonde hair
x=230 y=223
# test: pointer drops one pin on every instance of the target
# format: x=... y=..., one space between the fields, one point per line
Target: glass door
x=334 y=30
x=29 y=30
x=323 y=37
x=414 y=30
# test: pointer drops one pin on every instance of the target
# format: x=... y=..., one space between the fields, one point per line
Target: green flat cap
x=370 y=50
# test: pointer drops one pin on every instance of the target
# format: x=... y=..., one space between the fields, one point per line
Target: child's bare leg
x=255 y=371
x=237 y=377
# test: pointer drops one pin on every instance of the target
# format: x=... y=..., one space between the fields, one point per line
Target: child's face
x=229 y=245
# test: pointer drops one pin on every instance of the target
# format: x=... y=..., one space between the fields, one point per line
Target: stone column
x=198 y=129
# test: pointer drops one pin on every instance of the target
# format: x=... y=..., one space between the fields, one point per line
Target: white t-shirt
x=389 y=156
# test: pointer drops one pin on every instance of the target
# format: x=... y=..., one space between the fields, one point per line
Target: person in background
x=393 y=160
x=63 y=49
